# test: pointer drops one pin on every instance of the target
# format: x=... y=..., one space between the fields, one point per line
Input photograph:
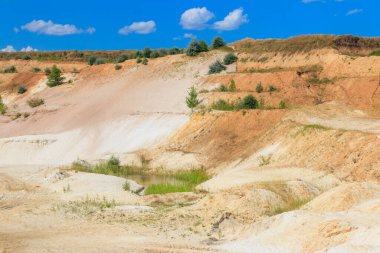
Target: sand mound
x=344 y=197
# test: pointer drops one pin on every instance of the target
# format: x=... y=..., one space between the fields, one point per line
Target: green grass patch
x=312 y=127
x=375 y=53
x=294 y=205
x=187 y=181
x=268 y=70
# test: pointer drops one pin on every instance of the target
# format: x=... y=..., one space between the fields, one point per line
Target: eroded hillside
x=298 y=172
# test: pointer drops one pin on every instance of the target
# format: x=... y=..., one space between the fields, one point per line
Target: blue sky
x=122 y=24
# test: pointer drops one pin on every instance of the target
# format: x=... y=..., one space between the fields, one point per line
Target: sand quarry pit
x=299 y=179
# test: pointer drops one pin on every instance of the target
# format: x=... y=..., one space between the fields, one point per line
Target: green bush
x=232 y=86
x=249 y=102
x=272 y=88
x=203 y=47
x=2 y=106
x=99 y=61
x=54 y=78
x=230 y=58
x=193 y=48
x=375 y=53
x=147 y=52
x=34 y=102
x=118 y=67
x=154 y=54
x=216 y=67
x=36 y=69
x=121 y=58
x=223 y=105
x=47 y=71
x=282 y=105
x=91 y=60
x=222 y=88
x=11 y=69
x=144 y=61
x=138 y=60
x=259 y=88
x=218 y=42
x=21 y=89
x=113 y=161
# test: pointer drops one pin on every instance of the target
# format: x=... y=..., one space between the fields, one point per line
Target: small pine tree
x=203 y=47
x=192 y=100
x=55 y=78
x=193 y=48
x=232 y=86
x=218 y=42
x=259 y=88
x=282 y=104
x=250 y=102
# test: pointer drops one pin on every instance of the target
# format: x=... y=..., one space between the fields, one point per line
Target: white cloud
x=196 y=18
x=139 y=27
x=185 y=36
x=28 y=49
x=50 y=28
x=8 y=49
x=232 y=21
x=354 y=11
x=91 y=30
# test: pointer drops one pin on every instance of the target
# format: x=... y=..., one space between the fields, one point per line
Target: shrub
x=259 y=88
x=34 y=102
x=138 y=60
x=147 y=52
x=99 y=61
x=230 y=58
x=113 y=161
x=272 y=88
x=203 y=47
x=144 y=61
x=222 y=88
x=26 y=57
x=55 y=78
x=154 y=54
x=11 y=69
x=223 y=105
x=36 y=69
x=2 y=106
x=121 y=58
x=218 y=42
x=216 y=67
x=232 y=86
x=21 y=89
x=126 y=186
x=192 y=100
x=47 y=71
x=118 y=67
x=282 y=104
x=375 y=53
x=249 y=102
x=91 y=60
x=193 y=48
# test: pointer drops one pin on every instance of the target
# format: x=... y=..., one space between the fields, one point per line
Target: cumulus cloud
x=354 y=11
x=196 y=18
x=8 y=49
x=28 y=49
x=139 y=27
x=185 y=36
x=50 y=28
x=232 y=21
